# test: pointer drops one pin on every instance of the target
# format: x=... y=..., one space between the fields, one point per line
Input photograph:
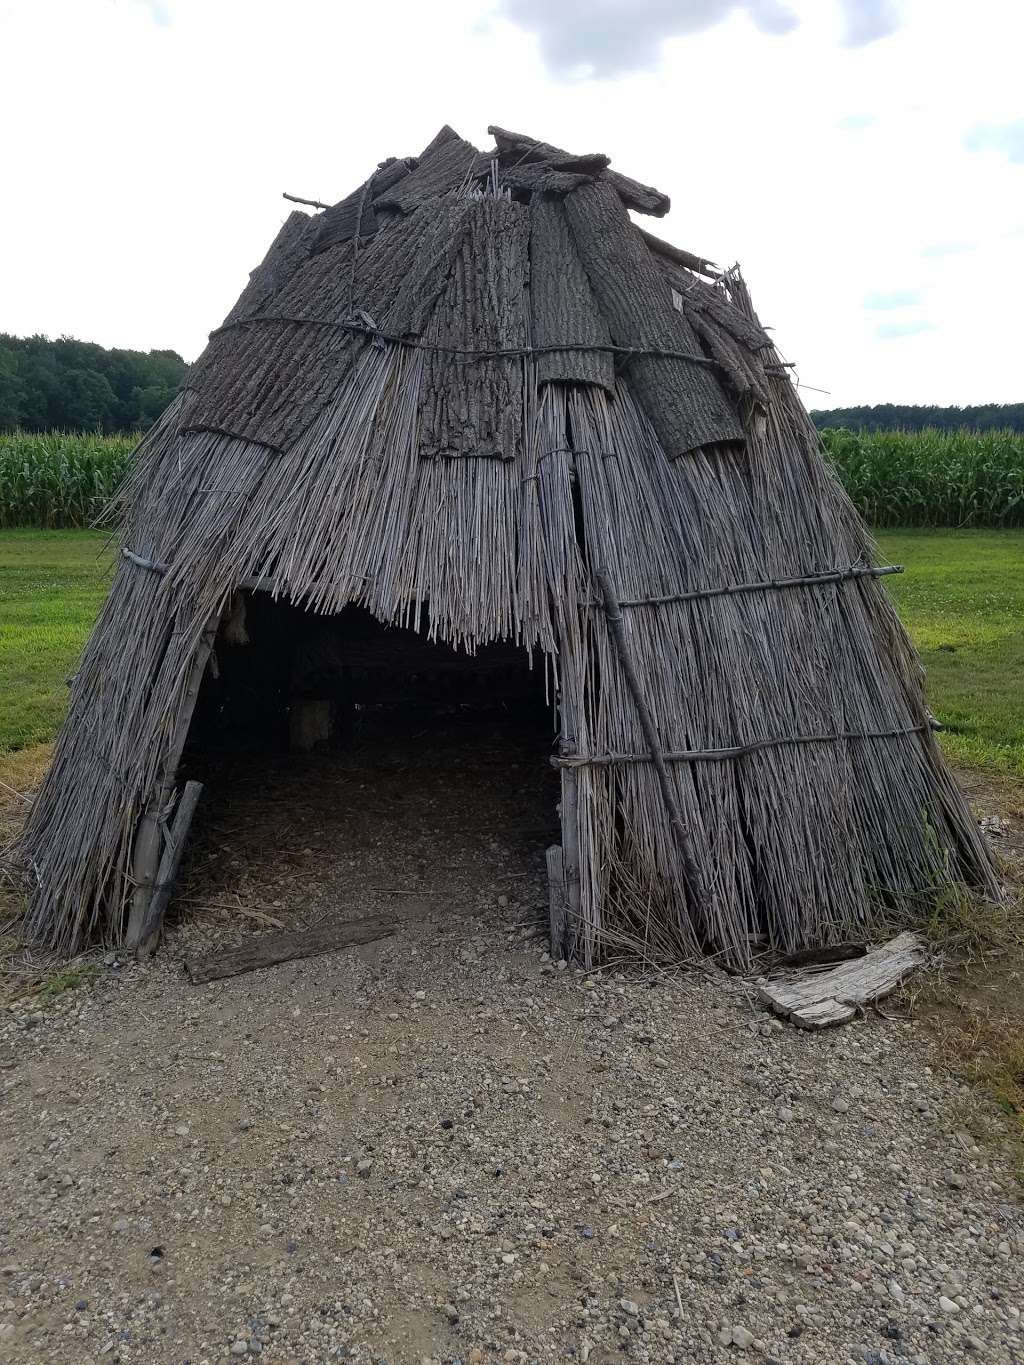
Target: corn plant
x=931 y=478
x=59 y=478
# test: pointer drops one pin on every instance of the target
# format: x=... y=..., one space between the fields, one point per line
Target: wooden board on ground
x=815 y=999
x=270 y=949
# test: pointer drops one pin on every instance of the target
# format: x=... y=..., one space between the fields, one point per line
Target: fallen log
x=816 y=999
x=270 y=949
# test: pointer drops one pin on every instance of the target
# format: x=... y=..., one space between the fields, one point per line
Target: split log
x=572 y=886
x=168 y=870
x=270 y=949
x=815 y=999
x=147 y=850
x=556 y=902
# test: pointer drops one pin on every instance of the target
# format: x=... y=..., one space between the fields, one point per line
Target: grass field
x=962 y=599
x=51 y=586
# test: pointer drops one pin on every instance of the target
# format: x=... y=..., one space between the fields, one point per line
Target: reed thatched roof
x=475 y=397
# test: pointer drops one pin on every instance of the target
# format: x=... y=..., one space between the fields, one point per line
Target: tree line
x=910 y=417
x=71 y=385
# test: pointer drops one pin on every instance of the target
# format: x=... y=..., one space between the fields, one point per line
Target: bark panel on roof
x=562 y=305
x=444 y=166
x=341 y=222
x=518 y=149
x=267 y=381
x=287 y=252
x=686 y=403
x=475 y=409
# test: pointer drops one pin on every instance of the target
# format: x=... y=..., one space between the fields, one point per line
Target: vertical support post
x=148 y=841
x=556 y=902
x=571 y=856
x=168 y=871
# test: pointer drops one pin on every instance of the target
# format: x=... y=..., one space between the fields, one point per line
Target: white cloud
x=587 y=39
x=869 y=20
x=159 y=10
x=880 y=301
x=1005 y=138
x=937 y=250
x=856 y=123
x=887 y=331
x=602 y=38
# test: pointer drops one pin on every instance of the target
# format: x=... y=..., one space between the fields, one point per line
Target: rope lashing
x=506 y=353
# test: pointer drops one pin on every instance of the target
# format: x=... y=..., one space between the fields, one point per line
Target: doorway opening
x=352 y=768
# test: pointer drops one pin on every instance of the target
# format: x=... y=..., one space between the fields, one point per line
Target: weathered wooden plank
x=816 y=999
x=556 y=901
x=270 y=949
x=148 y=845
x=168 y=870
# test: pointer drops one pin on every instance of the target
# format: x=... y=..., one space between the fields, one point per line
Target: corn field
x=896 y=478
x=931 y=478
x=59 y=478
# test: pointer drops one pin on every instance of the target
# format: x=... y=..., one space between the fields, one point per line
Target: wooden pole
x=269 y=949
x=168 y=871
x=148 y=841
x=613 y=612
x=556 y=902
x=571 y=858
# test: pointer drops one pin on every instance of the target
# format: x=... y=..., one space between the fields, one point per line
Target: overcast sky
x=862 y=159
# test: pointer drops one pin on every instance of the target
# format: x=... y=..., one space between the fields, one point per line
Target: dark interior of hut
x=283 y=679
x=340 y=757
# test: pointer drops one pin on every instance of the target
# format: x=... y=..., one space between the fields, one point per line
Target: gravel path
x=439 y=1148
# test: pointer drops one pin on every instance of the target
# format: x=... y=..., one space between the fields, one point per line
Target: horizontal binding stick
x=735 y=589
x=736 y=751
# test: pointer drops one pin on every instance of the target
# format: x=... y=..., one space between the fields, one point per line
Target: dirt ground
x=440 y=1147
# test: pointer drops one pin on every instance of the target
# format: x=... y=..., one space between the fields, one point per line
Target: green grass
x=932 y=478
x=962 y=598
x=59 y=478
x=51 y=586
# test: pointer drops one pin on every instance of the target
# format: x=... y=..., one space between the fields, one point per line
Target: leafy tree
x=77 y=385
x=905 y=417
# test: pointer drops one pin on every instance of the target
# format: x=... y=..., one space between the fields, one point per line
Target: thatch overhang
x=475 y=397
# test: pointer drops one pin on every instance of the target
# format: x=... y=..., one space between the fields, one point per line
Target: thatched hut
x=476 y=399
